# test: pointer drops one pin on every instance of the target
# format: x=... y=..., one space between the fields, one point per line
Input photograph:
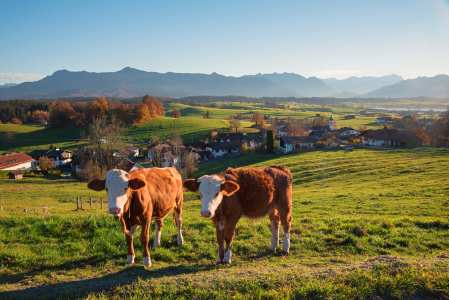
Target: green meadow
x=369 y=224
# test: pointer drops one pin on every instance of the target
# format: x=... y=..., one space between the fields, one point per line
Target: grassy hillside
x=365 y=224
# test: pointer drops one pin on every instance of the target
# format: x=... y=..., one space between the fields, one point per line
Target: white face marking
x=227 y=256
x=130 y=259
x=211 y=194
x=116 y=188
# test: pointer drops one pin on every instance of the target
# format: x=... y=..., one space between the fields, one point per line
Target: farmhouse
x=385 y=120
x=219 y=149
x=390 y=137
x=291 y=143
x=16 y=161
x=196 y=145
x=134 y=150
x=230 y=137
x=15 y=175
x=349 y=117
x=347 y=131
x=59 y=157
x=256 y=141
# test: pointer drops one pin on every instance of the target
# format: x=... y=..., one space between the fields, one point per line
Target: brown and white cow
x=142 y=196
x=249 y=193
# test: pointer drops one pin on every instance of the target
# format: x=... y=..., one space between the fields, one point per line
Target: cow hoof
x=226 y=262
x=270 y=251
x=130 y=260
x=284 y=253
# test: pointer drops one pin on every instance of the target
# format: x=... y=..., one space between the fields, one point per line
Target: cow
x=250 y=193
x=139 y=197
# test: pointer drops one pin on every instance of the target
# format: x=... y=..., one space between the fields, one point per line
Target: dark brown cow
x=250 y=193
x=142 y=196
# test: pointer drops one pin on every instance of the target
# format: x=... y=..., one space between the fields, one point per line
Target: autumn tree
x=154 y=106
x=9 y=136
x=123 y=112
x=257 y=118
x=97 y=108
x=175 y=138
x=80 y=119
x=237 y=124
x=176 y=113
x=141 y=113
x=16 y=121
x=419 y=132
x=46 y=163
x=61 y=114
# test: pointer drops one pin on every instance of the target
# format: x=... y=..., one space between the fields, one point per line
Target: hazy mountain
x=345 y=94
x=437 y=87
x=7 y=85
x=302 y=86
x=361 y=85
x=133 y=83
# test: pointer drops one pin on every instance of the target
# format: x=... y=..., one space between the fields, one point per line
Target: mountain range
x=130 y=82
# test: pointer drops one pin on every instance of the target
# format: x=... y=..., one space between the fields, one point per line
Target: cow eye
x=216 y=195
x=125 y=189
x=106 y=190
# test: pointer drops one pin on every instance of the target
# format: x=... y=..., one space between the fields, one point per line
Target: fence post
x=81 y=202
x=77 y=202
x=101 y=201
x=90 y=202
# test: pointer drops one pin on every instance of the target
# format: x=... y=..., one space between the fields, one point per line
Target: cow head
x=211 y=188
x=118 y=184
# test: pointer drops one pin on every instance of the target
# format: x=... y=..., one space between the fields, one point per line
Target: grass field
x=366 y=225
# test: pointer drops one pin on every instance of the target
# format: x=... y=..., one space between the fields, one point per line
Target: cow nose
x=114 y=210
x=205 y=214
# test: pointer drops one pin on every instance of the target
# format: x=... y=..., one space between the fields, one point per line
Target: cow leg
x=130 y=257
x=286 y=220
x=178 y=220
x=157 y=236
x=220 y=240
x=229 y=237
x=144 y=239
x=275 y=220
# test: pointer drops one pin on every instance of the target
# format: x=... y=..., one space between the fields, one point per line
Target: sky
x=234 y=38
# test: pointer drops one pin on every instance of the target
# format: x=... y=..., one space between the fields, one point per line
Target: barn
x=15 y=175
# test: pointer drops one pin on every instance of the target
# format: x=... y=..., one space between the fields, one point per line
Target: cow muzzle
x=115 y=211
x=206 y=214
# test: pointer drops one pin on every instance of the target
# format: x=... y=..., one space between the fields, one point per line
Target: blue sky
x=312 y=38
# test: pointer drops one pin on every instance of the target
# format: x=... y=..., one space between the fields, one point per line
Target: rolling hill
x=437 y=87
x=131 y=82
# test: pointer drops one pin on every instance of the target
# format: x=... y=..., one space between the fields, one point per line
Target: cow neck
x=221 y=219
x=128 y=206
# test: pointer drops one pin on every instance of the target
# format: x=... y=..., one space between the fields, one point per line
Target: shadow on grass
x=82 y=288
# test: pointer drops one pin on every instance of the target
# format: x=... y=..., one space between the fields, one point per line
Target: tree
x=270 y=142
x=141 y=113
x=80 y=119
x=61 y=114
x=237 y=125
x=257 y=118
x=175 y=139
x=419 y=132
x=154 y=139
x=16 y=121
x=328 y=135
x=207 y=114
x=213 y=135
x=46 y=163
x=176 y=113
x=123 y=112
x=9 y=136
x=154 y=106
x=51 y=147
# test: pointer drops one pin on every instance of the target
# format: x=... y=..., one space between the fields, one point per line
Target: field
x=366 y=225
x=30 y=137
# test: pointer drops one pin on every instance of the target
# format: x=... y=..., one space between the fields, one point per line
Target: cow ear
x=96 y=185
x=136 y=184
x=229 y=188
x=191 y=184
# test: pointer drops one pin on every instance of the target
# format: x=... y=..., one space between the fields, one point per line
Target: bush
x=321 y=144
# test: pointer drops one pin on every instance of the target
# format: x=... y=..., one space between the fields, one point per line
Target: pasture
x=366 y=224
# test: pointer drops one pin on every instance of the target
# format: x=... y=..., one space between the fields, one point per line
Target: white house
x=257 y=141
x=221 y=148
x=16 y=161
x=291 y=143
x=345 y=131
x=59 y=157
x=133 y=149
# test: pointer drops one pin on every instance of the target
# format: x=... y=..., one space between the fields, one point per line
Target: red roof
x=16 y=172
x=13 y=160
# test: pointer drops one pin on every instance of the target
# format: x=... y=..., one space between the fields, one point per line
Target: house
x=59 y=157
x=135 y=150
x=291 y=143
x=231 y=137
x=205 y=155
x=16 y=161
x=282 y=131
x=362 y=112
x=318 y=115
x=385 y=120
x=196 y=145
x=128 y=166
x=320 y=128
x=390 y=137
x=349 y=117
x=221 y=148
x=345 y=131
x=15 y=175
x=256 y=141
